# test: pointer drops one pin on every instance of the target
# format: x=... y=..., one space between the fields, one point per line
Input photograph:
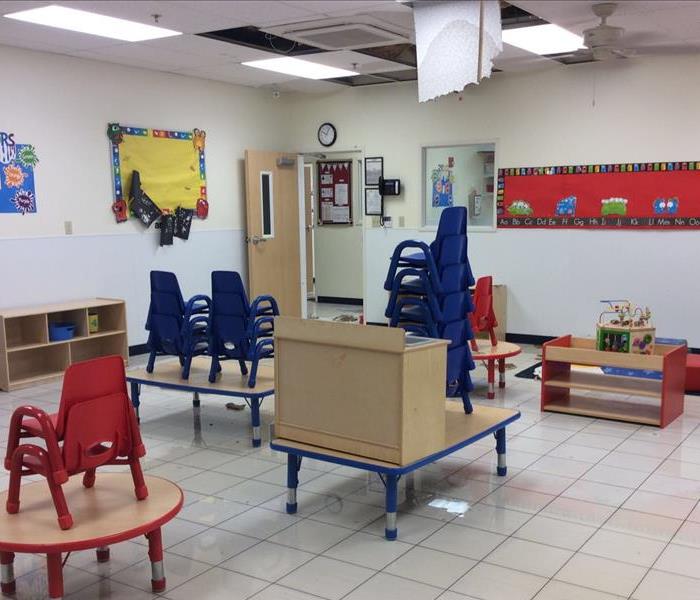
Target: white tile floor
x=590 y=510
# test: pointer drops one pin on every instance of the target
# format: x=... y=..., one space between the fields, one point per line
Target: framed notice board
x=335 y=192
x=660 y=195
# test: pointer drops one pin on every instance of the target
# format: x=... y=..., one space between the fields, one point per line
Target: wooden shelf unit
x=622 y=398
x=27 y=356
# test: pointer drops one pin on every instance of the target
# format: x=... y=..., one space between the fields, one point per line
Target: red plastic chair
x=95 y=426
x=483 y=318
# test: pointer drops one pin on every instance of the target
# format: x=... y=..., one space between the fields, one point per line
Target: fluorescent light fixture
x=299 y=68
x=543 y=39
x=92 y=23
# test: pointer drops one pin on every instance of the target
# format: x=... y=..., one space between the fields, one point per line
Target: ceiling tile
x=344 y=59
x=209 y=48
x=251 y=12
x=309 y=86
x=235 y=73
x=140 y=53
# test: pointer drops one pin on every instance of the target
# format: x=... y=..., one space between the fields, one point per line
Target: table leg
x=293 y=465
x=55 y=571
x=501 y=469
x=491 y=367
x=155 y=553
x=392 y=490
x=255 y=421
x=103 y=554
x=195 y=399
x=135 y=400
x=7 y=573
x=501 y=372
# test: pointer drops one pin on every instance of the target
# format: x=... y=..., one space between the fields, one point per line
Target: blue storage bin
x=59 y=332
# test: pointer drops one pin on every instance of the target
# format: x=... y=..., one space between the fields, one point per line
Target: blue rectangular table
x=230 y=383
x=460 y=431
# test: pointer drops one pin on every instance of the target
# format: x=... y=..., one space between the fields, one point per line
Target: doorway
x=336 y=249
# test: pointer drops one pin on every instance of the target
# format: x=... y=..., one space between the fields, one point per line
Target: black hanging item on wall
x=167 y=229
x=139 y=202
x=183 y=222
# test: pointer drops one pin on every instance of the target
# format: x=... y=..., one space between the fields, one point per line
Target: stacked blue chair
x=429 y=295
x=239 y=330
x=175 y=327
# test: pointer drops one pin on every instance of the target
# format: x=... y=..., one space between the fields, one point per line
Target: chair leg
x=140 y=488
x=468 y=409
x=89 y=478
x=186 y=367
x=12 y=504
x=151 y=362
x=243 y=366
x=65 y=520
x=214 y=369
x=253 y=373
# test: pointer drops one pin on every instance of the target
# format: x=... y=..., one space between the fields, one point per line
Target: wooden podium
x=366 y=390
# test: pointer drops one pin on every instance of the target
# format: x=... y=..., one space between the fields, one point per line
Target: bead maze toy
x=625 y=327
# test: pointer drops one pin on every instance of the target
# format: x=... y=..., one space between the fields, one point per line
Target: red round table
x=104 y=514
x=490 y=354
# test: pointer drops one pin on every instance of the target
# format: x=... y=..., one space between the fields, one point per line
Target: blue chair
x=239 y=330
x=453 y=223
x=429 y=295
x=175 y=327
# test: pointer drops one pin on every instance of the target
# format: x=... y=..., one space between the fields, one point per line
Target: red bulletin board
x=334 y=192
x=615 y=196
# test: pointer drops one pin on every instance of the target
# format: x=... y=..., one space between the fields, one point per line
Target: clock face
x=327 y=134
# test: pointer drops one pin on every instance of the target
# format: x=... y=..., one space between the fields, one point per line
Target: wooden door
x=272 y=228
x=309 y=227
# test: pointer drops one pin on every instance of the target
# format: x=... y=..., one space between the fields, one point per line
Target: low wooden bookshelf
x=27 y=356
x=622 y=398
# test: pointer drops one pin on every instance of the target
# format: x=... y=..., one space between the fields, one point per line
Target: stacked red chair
x=95 y=426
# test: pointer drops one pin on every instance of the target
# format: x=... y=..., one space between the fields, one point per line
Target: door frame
x=310 y=168
x=360 y=153
x=302 y=235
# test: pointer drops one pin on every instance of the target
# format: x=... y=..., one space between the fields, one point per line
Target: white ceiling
x=661 y=23
x=648 y=24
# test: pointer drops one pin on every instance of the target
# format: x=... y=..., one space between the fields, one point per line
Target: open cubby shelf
x=27 y=356
x=622 y=398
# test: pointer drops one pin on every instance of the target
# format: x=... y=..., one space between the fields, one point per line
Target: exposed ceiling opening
x=371 y=37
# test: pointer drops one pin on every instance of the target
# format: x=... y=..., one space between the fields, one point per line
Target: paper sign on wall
x=335 y=192
x=17 y=162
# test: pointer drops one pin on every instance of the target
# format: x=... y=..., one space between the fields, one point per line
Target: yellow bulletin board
x=170 y=165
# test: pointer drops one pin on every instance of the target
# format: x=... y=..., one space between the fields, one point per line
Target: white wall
x=639 y=110
x=338 y=248
x=62 y=106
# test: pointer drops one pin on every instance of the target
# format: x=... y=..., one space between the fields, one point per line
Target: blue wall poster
x=443 y=183
x=17 y=162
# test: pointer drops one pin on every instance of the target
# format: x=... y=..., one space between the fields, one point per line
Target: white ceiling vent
x=339 y=34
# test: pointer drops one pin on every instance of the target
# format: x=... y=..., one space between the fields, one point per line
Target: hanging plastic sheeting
x=456 y=43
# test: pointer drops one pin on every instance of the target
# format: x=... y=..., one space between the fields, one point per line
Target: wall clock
x=327 y=134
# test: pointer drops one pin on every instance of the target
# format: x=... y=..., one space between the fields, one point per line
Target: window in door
x=267 y=207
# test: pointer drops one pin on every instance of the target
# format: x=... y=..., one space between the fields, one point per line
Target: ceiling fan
x=607 y=42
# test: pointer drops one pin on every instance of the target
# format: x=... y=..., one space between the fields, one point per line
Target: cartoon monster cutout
x=114 y=133
x=202 y=208
x=198 y=139
x=27 y=156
